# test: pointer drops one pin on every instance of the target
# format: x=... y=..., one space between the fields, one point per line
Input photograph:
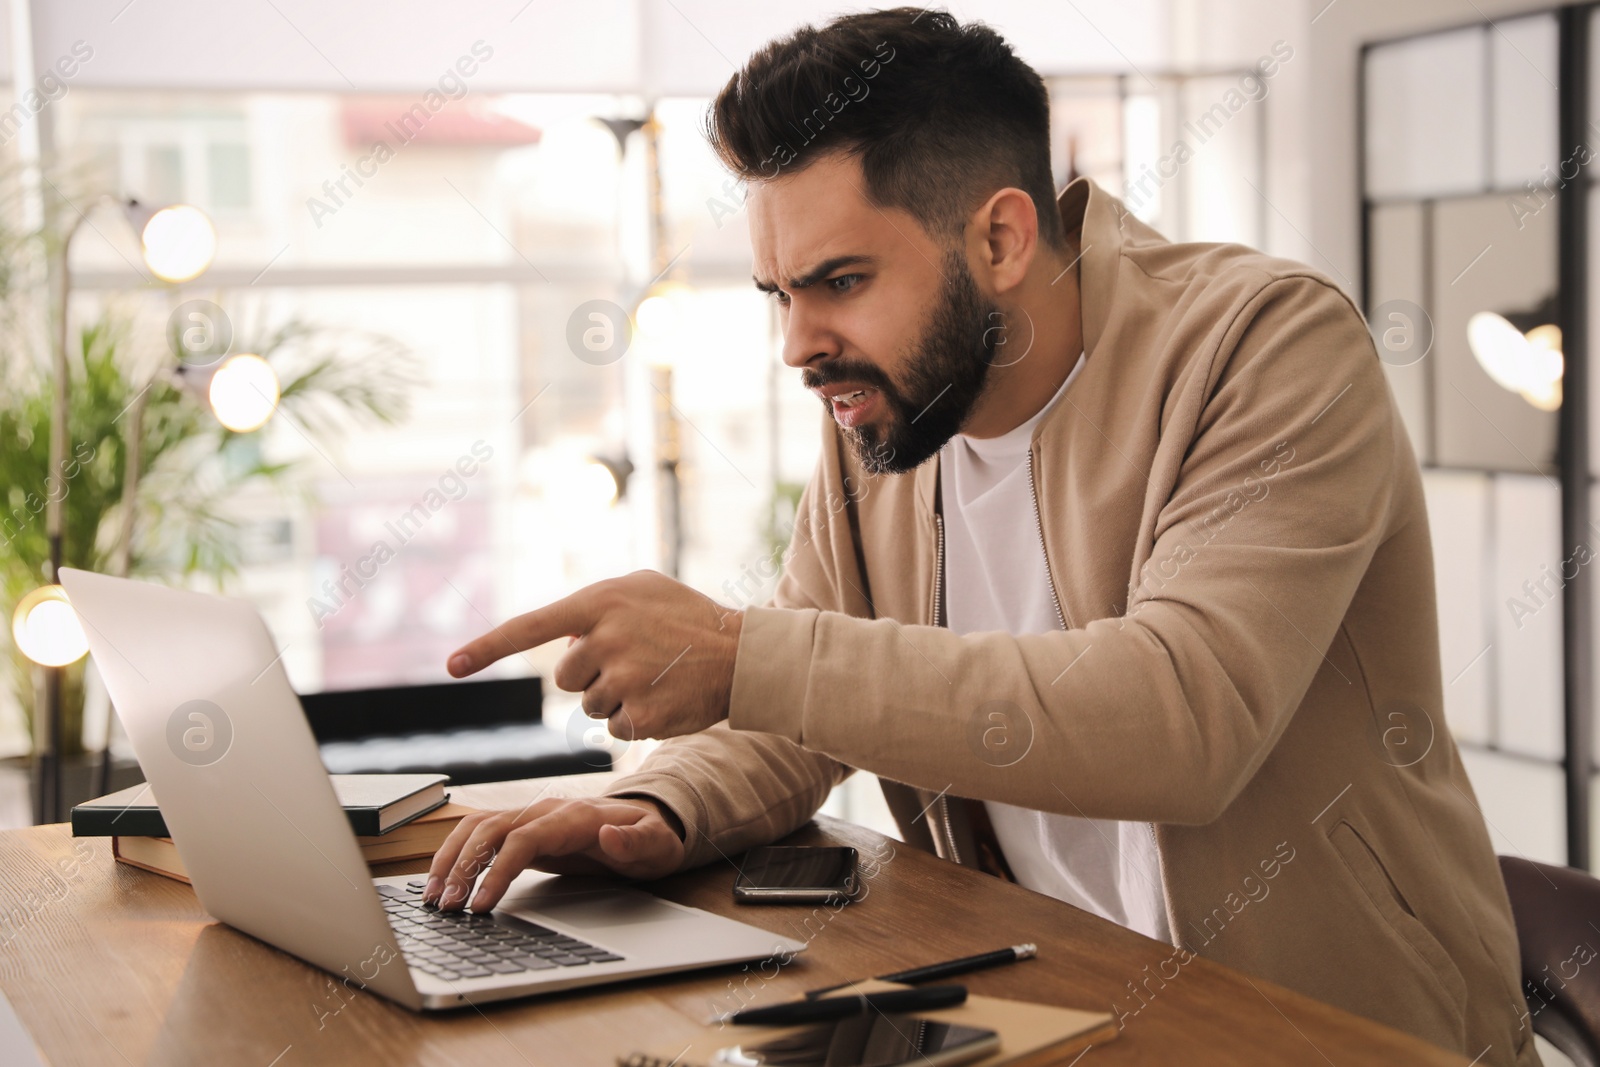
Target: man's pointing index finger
x=571 y=616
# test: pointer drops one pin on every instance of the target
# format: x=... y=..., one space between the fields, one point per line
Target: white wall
x=1208 y=34
x=679 y=47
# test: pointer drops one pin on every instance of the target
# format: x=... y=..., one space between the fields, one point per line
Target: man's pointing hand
x=650 y=654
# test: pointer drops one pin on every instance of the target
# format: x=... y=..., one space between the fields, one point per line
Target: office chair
x=1557 y=911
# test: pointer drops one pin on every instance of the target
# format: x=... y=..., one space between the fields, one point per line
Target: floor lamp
x=178 y=243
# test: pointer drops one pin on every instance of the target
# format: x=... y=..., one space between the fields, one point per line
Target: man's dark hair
x=940 y=114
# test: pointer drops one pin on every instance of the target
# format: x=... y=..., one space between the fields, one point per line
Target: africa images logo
x=999 y=733
x=199 y=733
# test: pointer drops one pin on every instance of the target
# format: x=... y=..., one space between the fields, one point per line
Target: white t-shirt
x=996 y=579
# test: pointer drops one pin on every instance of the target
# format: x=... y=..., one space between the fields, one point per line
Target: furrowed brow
x=817 y=273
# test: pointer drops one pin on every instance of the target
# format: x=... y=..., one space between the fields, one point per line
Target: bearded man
x=1115 y=566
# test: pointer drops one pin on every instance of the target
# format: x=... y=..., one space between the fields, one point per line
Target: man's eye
x=844 y=282
x=779 y=296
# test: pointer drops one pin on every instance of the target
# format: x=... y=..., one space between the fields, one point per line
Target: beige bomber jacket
x=1234 y=527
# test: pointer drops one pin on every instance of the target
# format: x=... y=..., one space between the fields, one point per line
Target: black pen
x=947 y=969
x=794 y=1012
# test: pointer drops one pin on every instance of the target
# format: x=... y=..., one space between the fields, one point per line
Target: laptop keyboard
x=463 y=944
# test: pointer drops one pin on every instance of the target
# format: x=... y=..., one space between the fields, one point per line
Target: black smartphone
x=797 y=874
x=874 y=1040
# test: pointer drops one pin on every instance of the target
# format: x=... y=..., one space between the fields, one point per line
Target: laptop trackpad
x=616 y=908
x=589 y=902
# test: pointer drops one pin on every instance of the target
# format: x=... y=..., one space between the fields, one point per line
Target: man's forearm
x=731 y=791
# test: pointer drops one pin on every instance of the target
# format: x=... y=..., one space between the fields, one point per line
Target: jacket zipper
x=938 y=616
x=949 y=831
x=1038 y=521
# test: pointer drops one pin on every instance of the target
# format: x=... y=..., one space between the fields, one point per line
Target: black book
x=374 y=803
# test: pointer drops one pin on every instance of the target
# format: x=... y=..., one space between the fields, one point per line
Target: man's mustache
x=842 y=371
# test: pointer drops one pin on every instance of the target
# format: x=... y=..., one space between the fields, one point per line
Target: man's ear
x=1006 y=229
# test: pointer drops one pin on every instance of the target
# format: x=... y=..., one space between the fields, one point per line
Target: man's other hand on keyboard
x=625 y=835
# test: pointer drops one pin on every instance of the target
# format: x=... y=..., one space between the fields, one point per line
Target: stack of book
x=394 y=816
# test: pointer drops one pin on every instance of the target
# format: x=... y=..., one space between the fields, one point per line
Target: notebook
x=417 y=839
x=1031 y=1035
x=374 y=803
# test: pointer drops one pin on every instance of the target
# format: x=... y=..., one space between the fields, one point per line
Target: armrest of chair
x=1554 y=908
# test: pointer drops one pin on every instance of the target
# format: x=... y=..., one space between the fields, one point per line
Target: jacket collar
x=1098 y=218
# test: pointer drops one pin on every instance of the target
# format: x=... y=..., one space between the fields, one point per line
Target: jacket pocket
x=1391 y=905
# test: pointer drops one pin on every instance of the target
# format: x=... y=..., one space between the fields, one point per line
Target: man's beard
x=945 y=376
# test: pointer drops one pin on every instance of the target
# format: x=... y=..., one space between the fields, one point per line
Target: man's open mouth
x=852 y=408
x=850 y=400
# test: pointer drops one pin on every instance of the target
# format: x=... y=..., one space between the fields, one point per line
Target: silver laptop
x=201 y=690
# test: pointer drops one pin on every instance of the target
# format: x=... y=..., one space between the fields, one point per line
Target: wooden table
x=106 y=964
